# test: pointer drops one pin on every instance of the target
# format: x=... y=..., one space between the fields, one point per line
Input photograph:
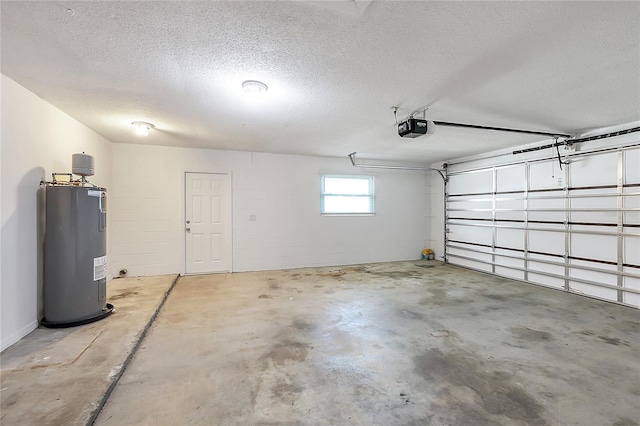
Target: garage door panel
x=632 y=166
x=592 y=290
x=608 y=276
x=631 y=283
x=507 y=266
x=608 y=217
x=511 y=178
x=631 y=247
x=545 y=280
x=607 y=207
x=465 y=208
x=593 y=170
x=548 y=210
x=632 y=202
x=509 y=273
x=547 y=242
x=511 y=238
x=565 y=230
x=631 y=299
x=598 y=247
x=461 y=215
x=473 y=182
x=469 y=258
x=473 y=264
x=472 y=252
x=550 y=274
x=632 y=220
x=471 y=234
x=545 y=175
x=510 y=209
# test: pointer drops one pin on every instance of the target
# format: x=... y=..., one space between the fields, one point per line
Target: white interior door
x=207 y=223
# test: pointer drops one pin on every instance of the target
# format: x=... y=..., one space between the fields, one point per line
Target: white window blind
x=340 y=194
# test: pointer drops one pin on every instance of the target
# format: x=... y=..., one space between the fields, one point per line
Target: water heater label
x=99 y=268
x=94 y=193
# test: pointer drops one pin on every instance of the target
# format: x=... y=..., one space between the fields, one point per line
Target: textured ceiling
x=334 y=70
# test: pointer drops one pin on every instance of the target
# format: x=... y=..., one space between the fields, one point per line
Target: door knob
x=188 y=229
x=188 y=222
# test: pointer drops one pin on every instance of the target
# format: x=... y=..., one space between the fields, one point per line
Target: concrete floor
x=60 y=376
x=379 y=344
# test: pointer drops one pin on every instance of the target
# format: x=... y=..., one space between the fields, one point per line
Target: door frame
x=184 y=219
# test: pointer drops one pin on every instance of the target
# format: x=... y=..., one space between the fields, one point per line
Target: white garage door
x=576 y=229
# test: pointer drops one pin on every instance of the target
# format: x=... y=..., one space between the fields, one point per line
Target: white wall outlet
x=252 y=218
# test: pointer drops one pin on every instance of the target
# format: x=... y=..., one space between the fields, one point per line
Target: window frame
x=371 y=195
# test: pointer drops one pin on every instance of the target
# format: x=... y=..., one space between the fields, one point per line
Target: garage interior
x=281 y=300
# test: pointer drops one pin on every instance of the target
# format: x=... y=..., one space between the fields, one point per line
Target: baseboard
x=14 y=337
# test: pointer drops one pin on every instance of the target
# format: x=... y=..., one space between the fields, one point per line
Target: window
x=347 y=194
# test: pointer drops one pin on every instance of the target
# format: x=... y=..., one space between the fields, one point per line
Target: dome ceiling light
x=254 y=87
x=142 y=127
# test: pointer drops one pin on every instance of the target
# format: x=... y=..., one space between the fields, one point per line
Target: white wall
x=36 y=140
x=282 y=191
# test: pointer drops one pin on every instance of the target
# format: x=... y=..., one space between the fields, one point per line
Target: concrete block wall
x=281 y=191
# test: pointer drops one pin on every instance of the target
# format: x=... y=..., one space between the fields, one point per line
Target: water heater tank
x=75 y=249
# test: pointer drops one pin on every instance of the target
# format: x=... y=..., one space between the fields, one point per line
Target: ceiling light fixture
x=142 y=127
x=254 y=87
